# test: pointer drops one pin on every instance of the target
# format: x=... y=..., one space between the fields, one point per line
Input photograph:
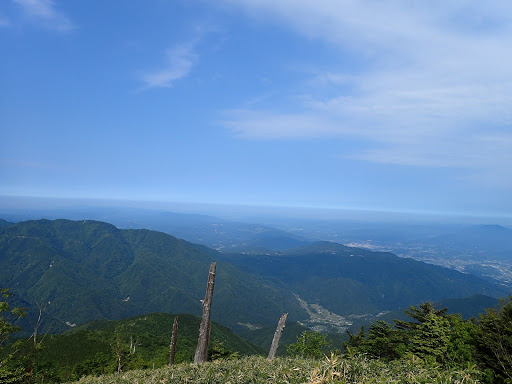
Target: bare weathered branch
x=174 y=338
x=277 y=336
x=201 y=354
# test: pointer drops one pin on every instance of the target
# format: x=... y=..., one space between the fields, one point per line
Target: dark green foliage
x=421 y=314
x=384 y=341
x=430 y=335
x=494 y=341
x=8 y=316
x=218 y=351
x=136 y=343
x=98 y=365
x=9 y=371
x=355 y=340
x=468 y=307
x=462 y=344
x=13 y=376
x=444 y=339
x=309 y=344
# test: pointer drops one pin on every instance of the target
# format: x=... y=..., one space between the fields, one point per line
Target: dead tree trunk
x=201 y=354
x=118 y=350
x=34 y=336
x=277 y=336
x=174 y=337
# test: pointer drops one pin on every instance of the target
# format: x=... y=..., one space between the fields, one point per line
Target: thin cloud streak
x=435 y=81
x=180 y=61
x=44 y=13
x=249 y=124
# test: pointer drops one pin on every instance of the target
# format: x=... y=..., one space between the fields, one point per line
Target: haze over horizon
x=328 y=105
x=25 y=208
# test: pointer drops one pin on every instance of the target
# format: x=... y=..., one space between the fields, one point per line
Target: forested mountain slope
x=86 y=270
x=348 y=280
x=142 y=342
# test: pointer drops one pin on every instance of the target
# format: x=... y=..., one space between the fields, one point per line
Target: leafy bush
x=309 y=344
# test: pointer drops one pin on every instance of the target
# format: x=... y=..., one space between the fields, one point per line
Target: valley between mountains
x=86 y=270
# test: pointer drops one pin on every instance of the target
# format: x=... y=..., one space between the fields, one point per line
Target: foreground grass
x=347 y=370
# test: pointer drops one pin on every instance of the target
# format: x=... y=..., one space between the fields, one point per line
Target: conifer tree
x=431 y=337
x=420 y=314
x=385 y=342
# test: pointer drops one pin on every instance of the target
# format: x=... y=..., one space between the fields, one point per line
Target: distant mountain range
x=493 y=240
x=4 y=223
x=86 y=270
x=420 y=240
x=214 y=232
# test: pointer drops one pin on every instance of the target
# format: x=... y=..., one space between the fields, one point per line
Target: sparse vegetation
x=334 y=369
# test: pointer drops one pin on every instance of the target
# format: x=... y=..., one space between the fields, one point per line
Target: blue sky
x=397 y=105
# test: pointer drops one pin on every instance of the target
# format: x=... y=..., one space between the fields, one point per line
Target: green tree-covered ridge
x=348 y=280
x=142 y=341
x=86 y=270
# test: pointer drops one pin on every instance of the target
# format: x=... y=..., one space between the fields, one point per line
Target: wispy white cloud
x=435 y=80
x=180 y=61
x=45 y=14
x=262 y=125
